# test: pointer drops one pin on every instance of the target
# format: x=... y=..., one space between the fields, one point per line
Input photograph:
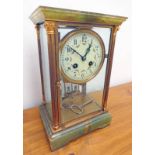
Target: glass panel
x=45 y=67
x=96 y=84
x=82 y=68
x=105 y=35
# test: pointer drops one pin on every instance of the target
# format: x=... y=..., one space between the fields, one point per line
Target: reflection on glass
x=105 y=35
x=45 y=67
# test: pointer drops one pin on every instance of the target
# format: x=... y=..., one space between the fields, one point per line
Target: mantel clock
x=75 y=54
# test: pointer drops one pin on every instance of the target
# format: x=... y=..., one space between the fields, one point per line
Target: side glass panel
x=45 y=67
x=81 y=101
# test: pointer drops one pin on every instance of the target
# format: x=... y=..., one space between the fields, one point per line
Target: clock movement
x=75 y=54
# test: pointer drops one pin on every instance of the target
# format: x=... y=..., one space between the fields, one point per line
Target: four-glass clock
x=75 y=56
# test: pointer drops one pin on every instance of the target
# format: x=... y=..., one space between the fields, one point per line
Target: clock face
x=81 y=55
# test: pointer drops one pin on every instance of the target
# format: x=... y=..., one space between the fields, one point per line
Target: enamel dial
x=81 y=55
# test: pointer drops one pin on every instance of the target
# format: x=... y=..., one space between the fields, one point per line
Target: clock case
x=50 y=110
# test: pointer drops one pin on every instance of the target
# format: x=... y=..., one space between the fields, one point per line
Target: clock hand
x=75 y=51
x=87 y=51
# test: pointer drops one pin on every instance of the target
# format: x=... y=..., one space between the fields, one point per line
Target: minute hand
x=87 y=50
x=75 y=51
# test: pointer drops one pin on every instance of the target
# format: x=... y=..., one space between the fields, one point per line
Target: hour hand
x=75 y=51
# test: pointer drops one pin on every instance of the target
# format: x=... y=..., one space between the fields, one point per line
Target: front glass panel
x=82 y=64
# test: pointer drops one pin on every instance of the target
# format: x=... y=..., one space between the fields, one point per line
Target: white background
x=11 y=84
x=121 y=71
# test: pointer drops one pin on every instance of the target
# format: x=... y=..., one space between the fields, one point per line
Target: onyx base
x=61 y=138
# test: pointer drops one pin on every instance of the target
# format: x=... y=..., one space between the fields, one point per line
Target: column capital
x=50 y=27
x=116 y=28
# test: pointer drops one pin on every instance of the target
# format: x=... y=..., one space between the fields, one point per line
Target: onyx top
x=43 y=13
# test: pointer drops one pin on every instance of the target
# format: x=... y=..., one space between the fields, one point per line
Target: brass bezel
x=65 y=39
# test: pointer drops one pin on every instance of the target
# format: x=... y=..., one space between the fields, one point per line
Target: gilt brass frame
x=51 y=29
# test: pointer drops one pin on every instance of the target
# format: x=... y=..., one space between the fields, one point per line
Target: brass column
x=52 y=38
x=109 y=66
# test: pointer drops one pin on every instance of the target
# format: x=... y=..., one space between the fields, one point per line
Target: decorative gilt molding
x=116 y=28
x=58 y=84
x=50 y=27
